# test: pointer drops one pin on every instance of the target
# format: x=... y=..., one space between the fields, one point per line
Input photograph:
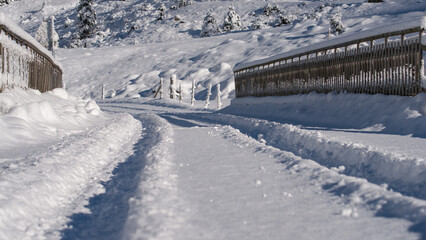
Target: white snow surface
x=54 y=151
x=310 y=166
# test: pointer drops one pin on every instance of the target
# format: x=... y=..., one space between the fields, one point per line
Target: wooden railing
x=25 y=63
x=372 y=62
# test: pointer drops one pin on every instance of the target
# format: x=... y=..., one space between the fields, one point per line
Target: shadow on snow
x=109 y=210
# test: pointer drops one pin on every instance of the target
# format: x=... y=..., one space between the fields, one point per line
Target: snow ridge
x=52 y=185
x=404 y=175
x=153 y=211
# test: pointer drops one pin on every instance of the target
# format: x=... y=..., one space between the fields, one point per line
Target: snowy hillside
x=175 y=46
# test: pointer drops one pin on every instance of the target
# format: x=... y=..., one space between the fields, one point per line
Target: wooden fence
x=378 y=62
x=25 y=65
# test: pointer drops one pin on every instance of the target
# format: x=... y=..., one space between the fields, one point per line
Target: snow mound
x=29 y=117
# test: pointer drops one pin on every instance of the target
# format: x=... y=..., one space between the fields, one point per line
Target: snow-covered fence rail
x=24 y=62
x=388 y=60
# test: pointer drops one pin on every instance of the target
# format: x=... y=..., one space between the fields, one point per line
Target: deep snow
x=299 y=167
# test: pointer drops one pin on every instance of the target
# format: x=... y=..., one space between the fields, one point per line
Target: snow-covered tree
x=182 y=3
x=41 y=34
x=269 y=9
x=209 y=25
x=336 y=24
x=232 y=20
x=46 y=34
x=147 y=7
x=285 y=18
x=86 y=19
x=161 y=12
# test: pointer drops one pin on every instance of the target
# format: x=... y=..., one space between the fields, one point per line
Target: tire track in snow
x=60 y=178
x=407 y=176
x=356 y=190
x=139 y=200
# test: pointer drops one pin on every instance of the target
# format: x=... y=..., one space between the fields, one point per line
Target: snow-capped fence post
x=172 y=86
x=365 y=62
x=51 y=35
x=218 y=97
x=103 y=91
x=193 y=93
x=209 y=93
x=180 y=93
x=161 y=88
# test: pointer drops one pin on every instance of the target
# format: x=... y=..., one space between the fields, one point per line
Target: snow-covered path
x=239 y=189
x=232 y=186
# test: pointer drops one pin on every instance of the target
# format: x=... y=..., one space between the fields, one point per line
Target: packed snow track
x=238 y=177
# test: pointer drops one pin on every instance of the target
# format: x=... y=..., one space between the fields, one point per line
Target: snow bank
x=29 y=117
x=402 y=174
x=378 y=113
x=55 y=150
x=357 y=193
x=356 y=113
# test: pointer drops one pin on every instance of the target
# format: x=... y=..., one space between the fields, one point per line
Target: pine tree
x=336 y=24
x=41 y=34
x=232 y=20
x=47 y=38
x=182 y=3
x=162 y=12
x=209 y=25
x=268 y=9
x=86 y=18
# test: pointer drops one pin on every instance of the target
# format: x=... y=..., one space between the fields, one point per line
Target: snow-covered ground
x=311 y=166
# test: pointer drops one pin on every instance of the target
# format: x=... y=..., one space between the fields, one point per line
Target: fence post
x=180 y=93
x=219 y=101
x=193 y=93
x=103 y=91
x=172 y=86
x=209 y=93
x=50 y=35
x=161 y=88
